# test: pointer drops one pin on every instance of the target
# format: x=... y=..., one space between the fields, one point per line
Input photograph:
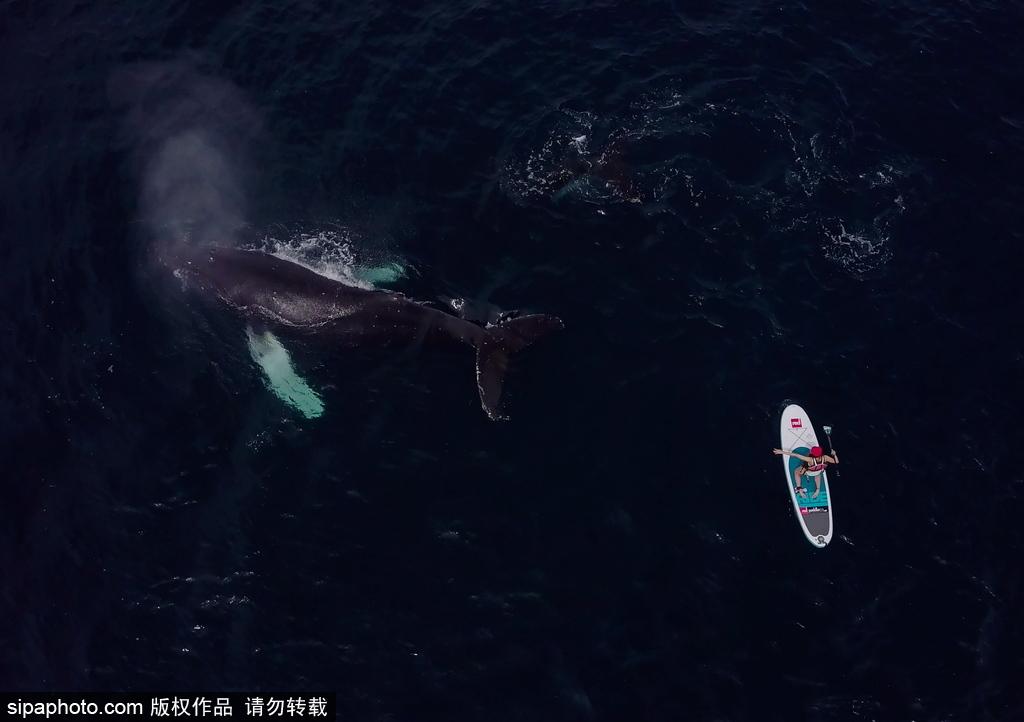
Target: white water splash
x=859 y=251
x=579 y=158
x=561 y=156
x=336 y=254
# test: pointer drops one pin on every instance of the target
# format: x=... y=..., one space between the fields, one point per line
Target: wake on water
x=677 y=151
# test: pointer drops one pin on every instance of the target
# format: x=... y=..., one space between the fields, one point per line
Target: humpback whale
x=274 y=292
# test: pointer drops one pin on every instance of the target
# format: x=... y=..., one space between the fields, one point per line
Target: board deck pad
x=814 y=514
x=807 y=501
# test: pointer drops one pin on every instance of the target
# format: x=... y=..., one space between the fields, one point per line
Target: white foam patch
x=544 y=171
x=579 y=156
x=859 y=251
x=336 y=254
x=292 y=389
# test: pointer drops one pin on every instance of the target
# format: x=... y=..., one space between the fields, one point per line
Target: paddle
x=828 y=434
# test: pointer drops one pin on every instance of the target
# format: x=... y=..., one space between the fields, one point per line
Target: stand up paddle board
x=814 y=513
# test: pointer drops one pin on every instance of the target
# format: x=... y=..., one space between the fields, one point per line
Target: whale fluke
x=494 y=348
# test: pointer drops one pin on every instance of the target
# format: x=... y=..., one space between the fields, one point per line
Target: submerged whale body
x=269 y=290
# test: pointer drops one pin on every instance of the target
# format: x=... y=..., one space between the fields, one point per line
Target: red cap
x=816 y=451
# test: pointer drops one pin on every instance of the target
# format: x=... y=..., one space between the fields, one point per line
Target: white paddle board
x=813 y=512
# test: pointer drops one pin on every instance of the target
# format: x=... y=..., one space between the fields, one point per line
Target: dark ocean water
x=732 y=205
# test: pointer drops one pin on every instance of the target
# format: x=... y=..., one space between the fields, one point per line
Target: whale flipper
x=272 y=357
x=492 y=354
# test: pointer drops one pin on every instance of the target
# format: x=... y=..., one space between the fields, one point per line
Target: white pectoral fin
x=273 y=359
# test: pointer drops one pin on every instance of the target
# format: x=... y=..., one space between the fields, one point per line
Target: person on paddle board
x=813 y=466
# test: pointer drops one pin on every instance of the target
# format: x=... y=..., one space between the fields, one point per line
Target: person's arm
x=833 y=458
x=792 y=453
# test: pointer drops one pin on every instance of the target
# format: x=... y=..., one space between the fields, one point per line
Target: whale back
x=260 y=284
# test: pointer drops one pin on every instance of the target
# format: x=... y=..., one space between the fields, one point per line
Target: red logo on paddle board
x=796 y=423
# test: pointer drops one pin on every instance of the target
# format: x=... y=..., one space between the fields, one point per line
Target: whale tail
x=492 y=354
